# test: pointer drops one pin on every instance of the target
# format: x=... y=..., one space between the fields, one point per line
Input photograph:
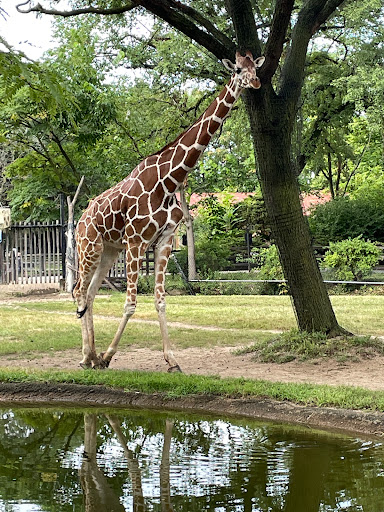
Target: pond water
x=121 y=460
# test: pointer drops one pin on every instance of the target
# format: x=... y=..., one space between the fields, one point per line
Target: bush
x=211 y=256
x=351 y=259
x=344 y=217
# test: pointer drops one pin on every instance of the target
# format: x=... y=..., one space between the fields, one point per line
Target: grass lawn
x=360 y=314
x=50 y=326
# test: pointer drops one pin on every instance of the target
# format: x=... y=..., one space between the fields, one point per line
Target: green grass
x=356 y=313
x=179 y=385
x=28 y=329
x=303 y=346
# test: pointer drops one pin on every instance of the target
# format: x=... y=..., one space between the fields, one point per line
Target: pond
x=131 y=460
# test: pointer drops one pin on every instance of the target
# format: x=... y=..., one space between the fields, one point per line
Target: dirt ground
x=222 y=361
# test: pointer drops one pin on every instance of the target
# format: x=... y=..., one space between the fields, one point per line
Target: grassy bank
x=179 y=385
x=36 y=327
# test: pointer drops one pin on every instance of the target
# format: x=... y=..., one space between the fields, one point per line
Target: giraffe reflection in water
x=98 y=495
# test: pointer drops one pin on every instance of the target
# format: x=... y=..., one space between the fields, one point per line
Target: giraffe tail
x=79 y=314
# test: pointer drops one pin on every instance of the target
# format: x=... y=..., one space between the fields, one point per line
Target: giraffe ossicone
x=141 y=212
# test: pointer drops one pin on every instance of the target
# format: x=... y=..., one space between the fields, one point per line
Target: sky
x=25 y=32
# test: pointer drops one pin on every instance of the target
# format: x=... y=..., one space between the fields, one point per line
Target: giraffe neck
x=188 y=148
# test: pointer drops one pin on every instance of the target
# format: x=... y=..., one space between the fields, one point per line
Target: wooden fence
x=35 y=254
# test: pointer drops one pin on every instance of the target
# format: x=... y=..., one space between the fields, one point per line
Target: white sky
x=25 y=32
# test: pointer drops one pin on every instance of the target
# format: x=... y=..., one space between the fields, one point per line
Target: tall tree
x=282 y=32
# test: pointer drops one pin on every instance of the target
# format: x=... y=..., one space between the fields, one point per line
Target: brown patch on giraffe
x=166 y=155
x=222 y=111
x=129 y=231
x=157 y=197
x=190 y=136
x=169 y=185
x=109 y=222
x=178 y=156
x=143 y=204
x=164 y=169
x=134 y=250
x=138 y=226
x=116 y=203
x=119 y=221
x=229 y=98
x=160 y=217
x=114 y=235
x=192 y=156
x=149 y=178
x=150 y=231
x=104 y=205
x=204 y=137
x=213 y=126
x=211 y=109
x=135 y=189
x=179 y=174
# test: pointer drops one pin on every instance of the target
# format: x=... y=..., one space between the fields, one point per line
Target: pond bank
x=329 y=418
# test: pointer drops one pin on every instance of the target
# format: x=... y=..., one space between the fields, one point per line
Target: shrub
x=351 y=259
x=270 y=268
x=344 y=217
x=211 y=256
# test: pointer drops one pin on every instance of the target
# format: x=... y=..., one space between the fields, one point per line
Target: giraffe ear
x=229 y=65
x=259 y=62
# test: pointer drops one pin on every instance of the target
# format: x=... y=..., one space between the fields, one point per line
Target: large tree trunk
x=270 y=125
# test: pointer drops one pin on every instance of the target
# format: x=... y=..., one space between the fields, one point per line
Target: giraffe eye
x=238 y=71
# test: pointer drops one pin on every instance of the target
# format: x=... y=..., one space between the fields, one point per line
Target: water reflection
x=98 y=495
x=143 y=461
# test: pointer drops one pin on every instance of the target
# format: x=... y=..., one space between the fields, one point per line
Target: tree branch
x=329 y=8
x=311 y=16
x=277 y=35
x=173 y=12
x=245 y=26
x=75 y=12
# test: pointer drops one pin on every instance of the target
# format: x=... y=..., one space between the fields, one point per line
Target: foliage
x=353 y=258
x=270 y=266
x=349 y=217
x=211 y=255
x=340 y=129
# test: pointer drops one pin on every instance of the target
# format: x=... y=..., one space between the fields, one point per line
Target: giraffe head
x=245 y=70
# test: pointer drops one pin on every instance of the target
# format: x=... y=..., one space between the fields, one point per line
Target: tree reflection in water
x=136 y=461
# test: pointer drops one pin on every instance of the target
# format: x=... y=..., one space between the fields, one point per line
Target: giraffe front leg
x=162 y=254
x=90 y=358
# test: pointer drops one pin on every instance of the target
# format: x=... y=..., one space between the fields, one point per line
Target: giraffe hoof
x=175 y=369
x=103 y=363
x=86 y=366
x=79 y=314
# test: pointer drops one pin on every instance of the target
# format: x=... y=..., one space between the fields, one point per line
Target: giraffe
x=141 y=212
